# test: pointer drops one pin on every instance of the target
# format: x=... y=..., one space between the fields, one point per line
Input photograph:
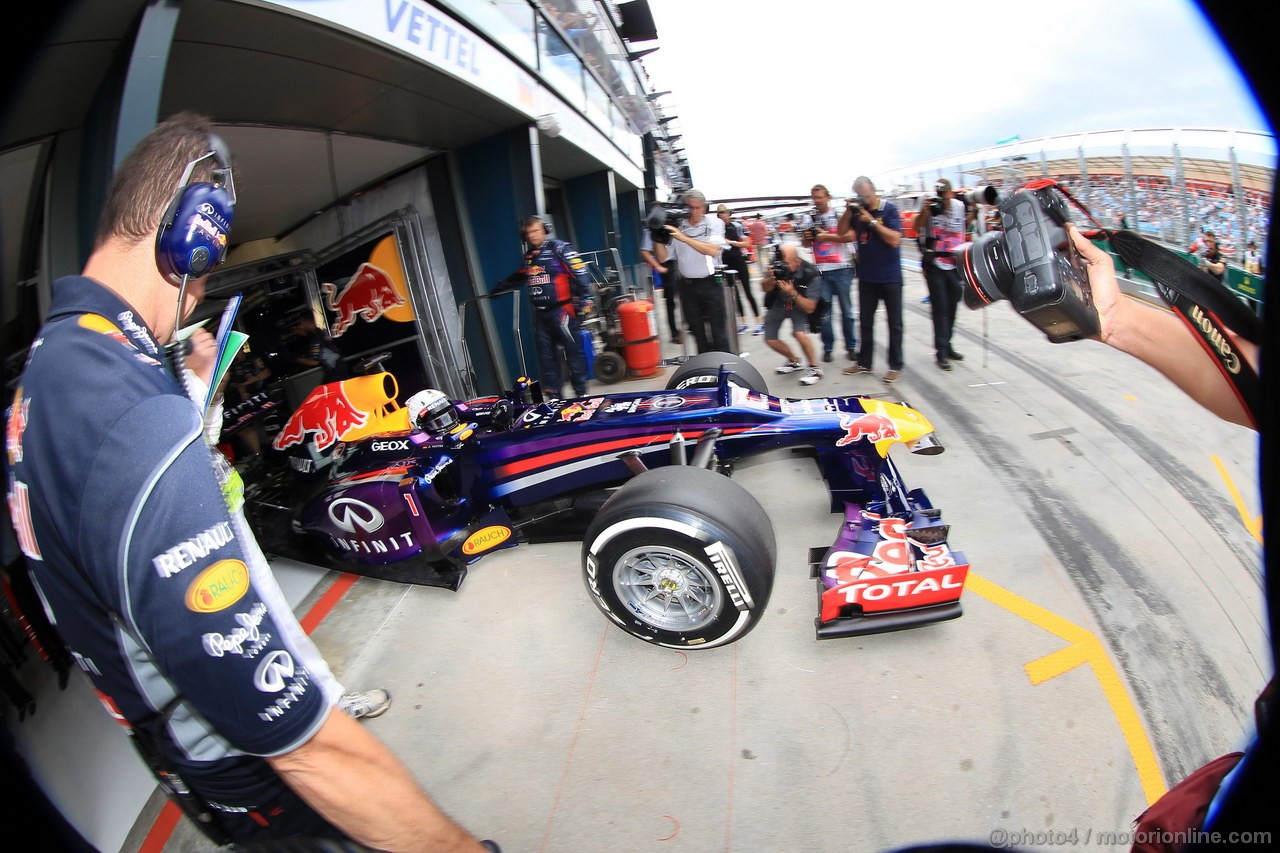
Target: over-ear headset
x=192 y=237
x=529 y=220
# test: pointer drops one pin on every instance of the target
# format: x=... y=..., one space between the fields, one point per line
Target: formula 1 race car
x=674 y=551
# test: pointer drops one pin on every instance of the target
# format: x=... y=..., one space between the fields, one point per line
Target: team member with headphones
x=560 y=291
x=147 y=572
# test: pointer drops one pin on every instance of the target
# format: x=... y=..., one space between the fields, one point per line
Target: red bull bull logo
x=327 y=413
x=871 y=427
x=367 y=296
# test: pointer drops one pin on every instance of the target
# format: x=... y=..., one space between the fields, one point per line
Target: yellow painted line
x=1254 y=524
x=1084 y=648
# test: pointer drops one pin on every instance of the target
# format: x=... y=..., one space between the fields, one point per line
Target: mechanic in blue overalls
x=559 y=289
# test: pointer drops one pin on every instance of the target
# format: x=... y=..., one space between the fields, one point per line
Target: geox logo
x=729 y=572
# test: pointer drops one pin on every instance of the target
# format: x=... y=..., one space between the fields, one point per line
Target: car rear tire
x=703 y=371
x=610 y=367
x=681 y=557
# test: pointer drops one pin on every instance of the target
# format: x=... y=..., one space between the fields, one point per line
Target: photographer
x=697 y=242
x=878 y=227
x=1211 y=260
x=735 y=259
x=833 y=259
x=790 y=288
x=942 y=225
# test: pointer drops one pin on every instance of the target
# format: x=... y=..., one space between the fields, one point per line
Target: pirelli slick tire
x=703 y=371
x=681 y=557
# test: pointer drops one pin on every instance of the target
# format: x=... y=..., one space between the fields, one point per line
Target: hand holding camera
x=1034 y=264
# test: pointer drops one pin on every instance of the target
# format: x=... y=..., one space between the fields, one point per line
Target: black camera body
x=1034 y=265
x=779 y=267
x=811 y=232
x=660 y=216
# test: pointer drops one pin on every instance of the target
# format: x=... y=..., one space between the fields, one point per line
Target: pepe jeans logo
x=349 y=513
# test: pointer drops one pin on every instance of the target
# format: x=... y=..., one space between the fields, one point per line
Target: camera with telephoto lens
x=1034 y=265
x=981 y=195
x=660 y=216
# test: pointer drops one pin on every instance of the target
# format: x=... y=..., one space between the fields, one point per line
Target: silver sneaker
x=790 y=367
x=365 y=703
x=814 y=374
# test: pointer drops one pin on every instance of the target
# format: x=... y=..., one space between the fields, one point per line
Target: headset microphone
x=192 y=236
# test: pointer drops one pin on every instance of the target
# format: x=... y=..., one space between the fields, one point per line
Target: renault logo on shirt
x=274 y=671
x=349 y=513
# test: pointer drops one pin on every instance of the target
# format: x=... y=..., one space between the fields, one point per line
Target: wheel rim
x=667 y=588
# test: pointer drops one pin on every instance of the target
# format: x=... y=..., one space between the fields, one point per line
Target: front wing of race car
x=887 y=572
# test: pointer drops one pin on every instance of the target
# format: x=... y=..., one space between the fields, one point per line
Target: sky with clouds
x=772 y=97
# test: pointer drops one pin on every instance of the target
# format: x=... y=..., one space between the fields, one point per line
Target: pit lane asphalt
x=1113 y=638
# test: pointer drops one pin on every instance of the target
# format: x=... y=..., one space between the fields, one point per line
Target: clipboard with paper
x=230 y=342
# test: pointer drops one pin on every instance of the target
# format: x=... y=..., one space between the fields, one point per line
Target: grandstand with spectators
x=1170 y=184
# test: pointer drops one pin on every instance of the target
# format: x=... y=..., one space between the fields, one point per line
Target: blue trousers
x=837 y=286
x=556 y=331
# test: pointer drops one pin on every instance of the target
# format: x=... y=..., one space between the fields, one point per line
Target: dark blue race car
x=673 y=550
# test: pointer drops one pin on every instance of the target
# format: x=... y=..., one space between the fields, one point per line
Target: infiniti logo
x=206 y=209
x=349 y=514
x=272 y=673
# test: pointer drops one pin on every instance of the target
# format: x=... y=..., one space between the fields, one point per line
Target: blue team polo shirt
x=159 y=589
x=878 y=261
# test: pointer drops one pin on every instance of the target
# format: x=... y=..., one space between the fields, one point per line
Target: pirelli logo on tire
x=593 y=581
x=696 y=381
x=727 y=568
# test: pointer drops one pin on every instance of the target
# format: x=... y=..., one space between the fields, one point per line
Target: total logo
x=349 y=514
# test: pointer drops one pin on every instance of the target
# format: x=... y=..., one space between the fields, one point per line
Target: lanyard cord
x=1214 y=315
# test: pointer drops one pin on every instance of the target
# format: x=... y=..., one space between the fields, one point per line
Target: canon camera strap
x=1202 y=302
x=1212 y=312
